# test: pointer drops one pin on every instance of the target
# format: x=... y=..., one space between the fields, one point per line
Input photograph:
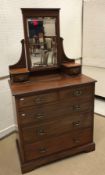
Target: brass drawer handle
x=41 y=132
x=43 y=150
x=77 y=92
x=21 y=99
x=76 y=124
x=37 y=100
x=40 y=116
x=23 y=115
x=76 y=108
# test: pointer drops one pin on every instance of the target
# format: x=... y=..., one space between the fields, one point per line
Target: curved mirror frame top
x=41 y=29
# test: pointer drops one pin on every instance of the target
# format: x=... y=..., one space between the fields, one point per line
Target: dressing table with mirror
x=54 y=101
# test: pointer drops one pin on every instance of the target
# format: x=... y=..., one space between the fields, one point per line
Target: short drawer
x=36 y=99
x=77 y=91
x=54 y=145
x=67 y=124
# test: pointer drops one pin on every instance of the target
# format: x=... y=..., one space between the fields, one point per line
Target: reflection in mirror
x=42 y=41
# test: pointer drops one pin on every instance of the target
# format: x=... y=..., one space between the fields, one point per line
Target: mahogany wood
x=22 y=61
x=40 y=118
x=64 y=58
x=57 y=81
x=45 y=131
x=55 y=107
x=70 y=103
x=31 y=165
x=57 y=144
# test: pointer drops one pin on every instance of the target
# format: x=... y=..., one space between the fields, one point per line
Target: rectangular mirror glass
x=42 y=41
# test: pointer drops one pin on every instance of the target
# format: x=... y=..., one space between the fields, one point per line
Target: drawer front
x=77 y=91
x=40 y=114
x=37 y=99
x=50 y=146
x=52 y=112
x=67 y=124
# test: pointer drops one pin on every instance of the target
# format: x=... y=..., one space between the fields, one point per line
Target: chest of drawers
x=55 y=119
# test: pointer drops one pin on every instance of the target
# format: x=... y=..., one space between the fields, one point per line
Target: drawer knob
x=23 y=115
x=21 y=99
x=76 y=108
x=42 y=150
x=76 y=124
x=77 y=92
x=40 y=116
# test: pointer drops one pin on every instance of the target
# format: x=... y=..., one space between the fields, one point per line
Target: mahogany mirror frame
x=39 y=12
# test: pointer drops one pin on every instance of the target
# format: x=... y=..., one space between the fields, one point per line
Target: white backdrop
x=11 y=27
x=94 y=33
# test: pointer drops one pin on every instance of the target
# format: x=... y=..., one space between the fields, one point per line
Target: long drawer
x=67 y=124
x=54 y=111
x=54 y=145
x=83 y=91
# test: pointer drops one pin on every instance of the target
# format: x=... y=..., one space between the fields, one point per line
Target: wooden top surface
x=48 y=82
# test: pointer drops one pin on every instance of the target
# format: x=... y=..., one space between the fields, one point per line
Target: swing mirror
x=41 y=38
